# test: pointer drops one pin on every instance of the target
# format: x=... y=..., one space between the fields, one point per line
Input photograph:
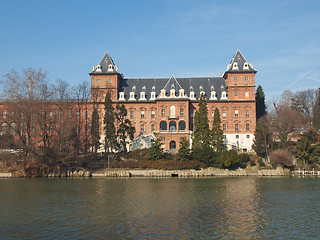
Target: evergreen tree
x=217 y=133
x=155 y=151
x=201 y=149
x=110 y=130
x=95 y=129
x=260 y=103
x=262 y=143
x=316 y=112
x=184 y=152
x=125 y=128
x=304 y=150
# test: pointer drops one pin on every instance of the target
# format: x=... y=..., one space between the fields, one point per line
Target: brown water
x=207 y=208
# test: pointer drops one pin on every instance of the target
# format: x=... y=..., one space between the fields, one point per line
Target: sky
x=161 y=38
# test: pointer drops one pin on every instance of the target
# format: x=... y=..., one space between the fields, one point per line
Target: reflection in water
x=207 y=208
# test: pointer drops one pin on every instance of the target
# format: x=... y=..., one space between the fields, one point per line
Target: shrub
x=281 y=157
x=252 y=163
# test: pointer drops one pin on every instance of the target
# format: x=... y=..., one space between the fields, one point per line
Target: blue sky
x=160 y=38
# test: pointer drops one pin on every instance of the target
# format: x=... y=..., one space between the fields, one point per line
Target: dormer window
x=163 y=93
x=201 y=88
x=192 y=95
x=181 y=93
x=235 y=66
x=121 y=96
x=172 y=92
x=132 y=96
x=245 y=66
x=98 y=68
x=110 y=68
x=213 y=95
x=142 y=96
x=223 y=95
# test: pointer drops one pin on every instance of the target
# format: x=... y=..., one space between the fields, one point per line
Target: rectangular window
x=163 y=139
x=142 y=128
x=153 y=113
x=237 y=127
x=4 y=114
x=142 y=114
x=224 y=136
x=224 y=113
x=237 y=136
x=153 y=128
x=51 y=115
x=235 y=78
x=131 y=114
x=212 y=113
x=236 y=94
x=192 y=113
x=163 y=112
x=236 y=113
x=247 y=113
x=224 y=127
x=246 y=94
x=181 y=112
x=247 y=127
x=110 y=80
x=248 y=136
x=246 y=78
x=98 y=80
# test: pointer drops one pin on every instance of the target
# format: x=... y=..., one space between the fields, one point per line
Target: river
x=167 y=208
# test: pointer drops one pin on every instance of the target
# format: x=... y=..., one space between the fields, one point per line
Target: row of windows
x=246 y=78
x=245 y=94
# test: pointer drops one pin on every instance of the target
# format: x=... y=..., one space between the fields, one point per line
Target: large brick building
x=167 y=105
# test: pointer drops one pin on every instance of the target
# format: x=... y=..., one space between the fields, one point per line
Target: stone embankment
x=209 y=172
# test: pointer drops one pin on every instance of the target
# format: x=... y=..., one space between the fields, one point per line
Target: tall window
x=236 y=94
x=247 y=127
x=172 y=111
x=142 y=114
x=181 y=112
x=163 y=126
x=142 y=128
x=247 y=113
x=235 y=78
x=182 y=126
x=224 y=127
x=131 y=114
x=163 y=112
x=192 y=113
x=246 y=94
x=153 y=113
x=246 y=78
x=153 y=128
x=236 y=113
x=212 y=113
x=224 y=113
x=172 y=126
x=237 y=127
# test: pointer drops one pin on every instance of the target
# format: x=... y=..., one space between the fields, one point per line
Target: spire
x=239 y=64
x=106 y=65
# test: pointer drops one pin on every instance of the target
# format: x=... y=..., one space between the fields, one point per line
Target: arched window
x=172 y=111
x=163 y=126
x=182 y=126
x=172 y=145
x=12 y=128
x=172 y=126
x=4 y=128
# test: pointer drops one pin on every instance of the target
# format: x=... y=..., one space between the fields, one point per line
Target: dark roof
x=198 y=84
x=240 y=61
x=103 y=65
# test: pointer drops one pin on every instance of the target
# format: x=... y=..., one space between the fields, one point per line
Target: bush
x=281 y=157
x=252 y=163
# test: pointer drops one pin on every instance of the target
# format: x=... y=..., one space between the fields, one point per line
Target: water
x=207 y=208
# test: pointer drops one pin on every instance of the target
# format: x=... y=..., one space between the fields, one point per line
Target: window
x=236 y=94
x=212 y=113
x=131 y=114
x=110 y=80
x=98 y=80
x=192 y=113
x=78 y=115
x=224 y=136
x=246 y=94
x=224 y=113
x=163 y=112
x=163 y=126
x=163 y=139
x=4 y=114
x=153 y=128
x=142 y=128
x=153 y=113
x=235 y=78
x=237 y=136
x=248 y=136
x=172 y=111
x=224 y=127
x=247 y=113
x=51 y=114
x=237 y=127
x=236 y=113
x=246 y=78
x=182 y=126
x=4 y=128
x=172 y=126
x=247 y=127
x=181 y=112
x=142 y=114
x=98 y=94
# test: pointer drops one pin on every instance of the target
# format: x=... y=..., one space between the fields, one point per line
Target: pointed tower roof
x=105 y=66
x=239 y=64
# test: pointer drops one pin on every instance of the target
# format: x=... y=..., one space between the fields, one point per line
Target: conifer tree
x=125 y=128
x=184 y=152
x=155 y=151
x=260 y=103
x=95 y=129
x=109 y=127
x=217 y=133
x=201 y=137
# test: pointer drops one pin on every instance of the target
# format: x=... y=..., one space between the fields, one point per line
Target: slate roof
x=104 y=63
x=198 y=84
x=240 y=60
